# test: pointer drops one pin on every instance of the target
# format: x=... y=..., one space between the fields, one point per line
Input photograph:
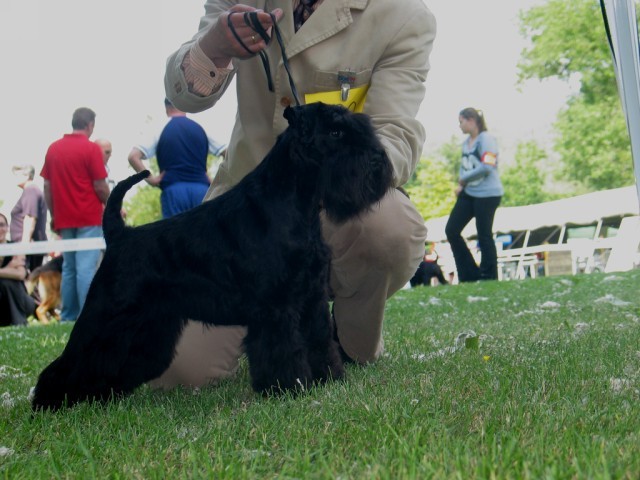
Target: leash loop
x=251 y=20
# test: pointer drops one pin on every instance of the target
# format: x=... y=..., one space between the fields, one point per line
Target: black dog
x=253 y=256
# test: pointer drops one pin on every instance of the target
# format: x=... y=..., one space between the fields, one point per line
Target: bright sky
x=109 y=56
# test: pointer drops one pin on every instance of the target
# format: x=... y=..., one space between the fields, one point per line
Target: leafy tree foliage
x=594 y=144
x=568 y=42
x=431 y=188
x=524 y=181
x=450 y=154
x=144 y=206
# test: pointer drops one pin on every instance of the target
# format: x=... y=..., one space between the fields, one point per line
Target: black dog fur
x=253 y=256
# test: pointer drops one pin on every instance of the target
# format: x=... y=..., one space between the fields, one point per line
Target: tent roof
x=580 y=210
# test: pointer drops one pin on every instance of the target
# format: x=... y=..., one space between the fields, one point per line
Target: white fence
x=32 y=248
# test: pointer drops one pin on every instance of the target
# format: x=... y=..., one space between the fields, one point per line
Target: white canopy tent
x=580 y=210
x=535 y=225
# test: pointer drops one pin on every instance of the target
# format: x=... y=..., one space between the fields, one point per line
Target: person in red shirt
x=76 y=190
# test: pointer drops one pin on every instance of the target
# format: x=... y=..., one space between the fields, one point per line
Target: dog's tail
x=112 y=221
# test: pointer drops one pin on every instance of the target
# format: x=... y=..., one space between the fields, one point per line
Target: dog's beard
x=353 y=170
x=346 y=195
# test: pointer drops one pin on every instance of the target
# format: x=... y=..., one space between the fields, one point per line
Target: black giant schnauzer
x=253 y=256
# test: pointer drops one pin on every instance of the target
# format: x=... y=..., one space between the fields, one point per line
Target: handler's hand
x=219 y=43
x=154 y=180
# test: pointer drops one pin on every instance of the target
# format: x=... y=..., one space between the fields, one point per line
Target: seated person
x=428 y=269
x=15 y=303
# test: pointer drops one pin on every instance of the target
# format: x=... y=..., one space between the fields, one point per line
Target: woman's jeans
x=78 y=269
x=483 y=209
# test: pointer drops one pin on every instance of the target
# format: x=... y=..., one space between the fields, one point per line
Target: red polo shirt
x=71 y=166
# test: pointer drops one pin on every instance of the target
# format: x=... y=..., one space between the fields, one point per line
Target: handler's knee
x=372 y=257
x=388 y=240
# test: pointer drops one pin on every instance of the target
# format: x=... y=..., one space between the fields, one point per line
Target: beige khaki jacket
x=381 y=46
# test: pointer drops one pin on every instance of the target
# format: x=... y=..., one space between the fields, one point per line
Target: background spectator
x=107 y=150
x=29 y=214
x=479 y=192
x=182 y=149
x=428 y=269
x=76 y=190
x=15 y=303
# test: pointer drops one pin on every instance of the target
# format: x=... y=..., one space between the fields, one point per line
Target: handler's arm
x=135 y=160
x=101 y=187
x=28 y=227
x=397 y=90
x=48 y=199
x=212 y=50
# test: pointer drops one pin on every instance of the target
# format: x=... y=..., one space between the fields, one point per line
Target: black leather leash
x=251 y=20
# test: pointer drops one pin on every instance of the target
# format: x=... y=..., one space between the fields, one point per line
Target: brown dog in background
x=45 y=280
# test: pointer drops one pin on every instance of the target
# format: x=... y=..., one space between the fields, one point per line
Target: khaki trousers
x=372 y=257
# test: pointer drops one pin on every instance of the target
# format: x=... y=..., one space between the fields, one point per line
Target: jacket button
x=286 y=102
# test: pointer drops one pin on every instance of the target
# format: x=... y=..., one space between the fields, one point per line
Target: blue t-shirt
x=479 y=167
x=181 y=151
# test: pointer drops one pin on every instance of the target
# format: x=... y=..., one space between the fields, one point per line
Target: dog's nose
x=290 y=114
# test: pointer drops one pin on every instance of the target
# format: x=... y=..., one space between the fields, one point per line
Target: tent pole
x=622 y=29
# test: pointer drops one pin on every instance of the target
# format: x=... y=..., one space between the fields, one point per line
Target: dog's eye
x=336 y=133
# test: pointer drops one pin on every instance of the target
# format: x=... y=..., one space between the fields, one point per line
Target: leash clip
x=344 y=91
x=346 y=79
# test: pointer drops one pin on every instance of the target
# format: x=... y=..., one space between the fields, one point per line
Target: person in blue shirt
x=479 y=192
x=181 y=150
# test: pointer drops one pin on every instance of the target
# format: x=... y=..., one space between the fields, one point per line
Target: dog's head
x=351 y=168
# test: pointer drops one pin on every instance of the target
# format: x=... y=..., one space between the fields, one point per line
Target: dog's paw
x=284 y=383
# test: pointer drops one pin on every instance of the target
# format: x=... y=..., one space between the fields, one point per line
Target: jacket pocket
x=345 y=88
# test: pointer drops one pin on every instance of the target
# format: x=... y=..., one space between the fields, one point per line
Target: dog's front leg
x=277 y=354
x=324 y=355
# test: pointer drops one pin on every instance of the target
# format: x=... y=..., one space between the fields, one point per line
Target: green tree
x=594 y=146
x=524 y=181
x=450 y=153
x=431 y=188
x=568 y=42
x=144 y=206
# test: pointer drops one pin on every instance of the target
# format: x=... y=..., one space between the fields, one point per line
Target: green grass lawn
x=551 y=391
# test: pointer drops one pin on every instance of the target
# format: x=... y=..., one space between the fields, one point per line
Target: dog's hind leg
x=277 y=354
x=150 y=351
x=89 y=363
x=107 y=357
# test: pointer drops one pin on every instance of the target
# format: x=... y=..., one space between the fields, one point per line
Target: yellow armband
x=354 y=101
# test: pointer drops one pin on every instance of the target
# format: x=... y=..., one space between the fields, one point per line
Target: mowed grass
x=551 y=391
